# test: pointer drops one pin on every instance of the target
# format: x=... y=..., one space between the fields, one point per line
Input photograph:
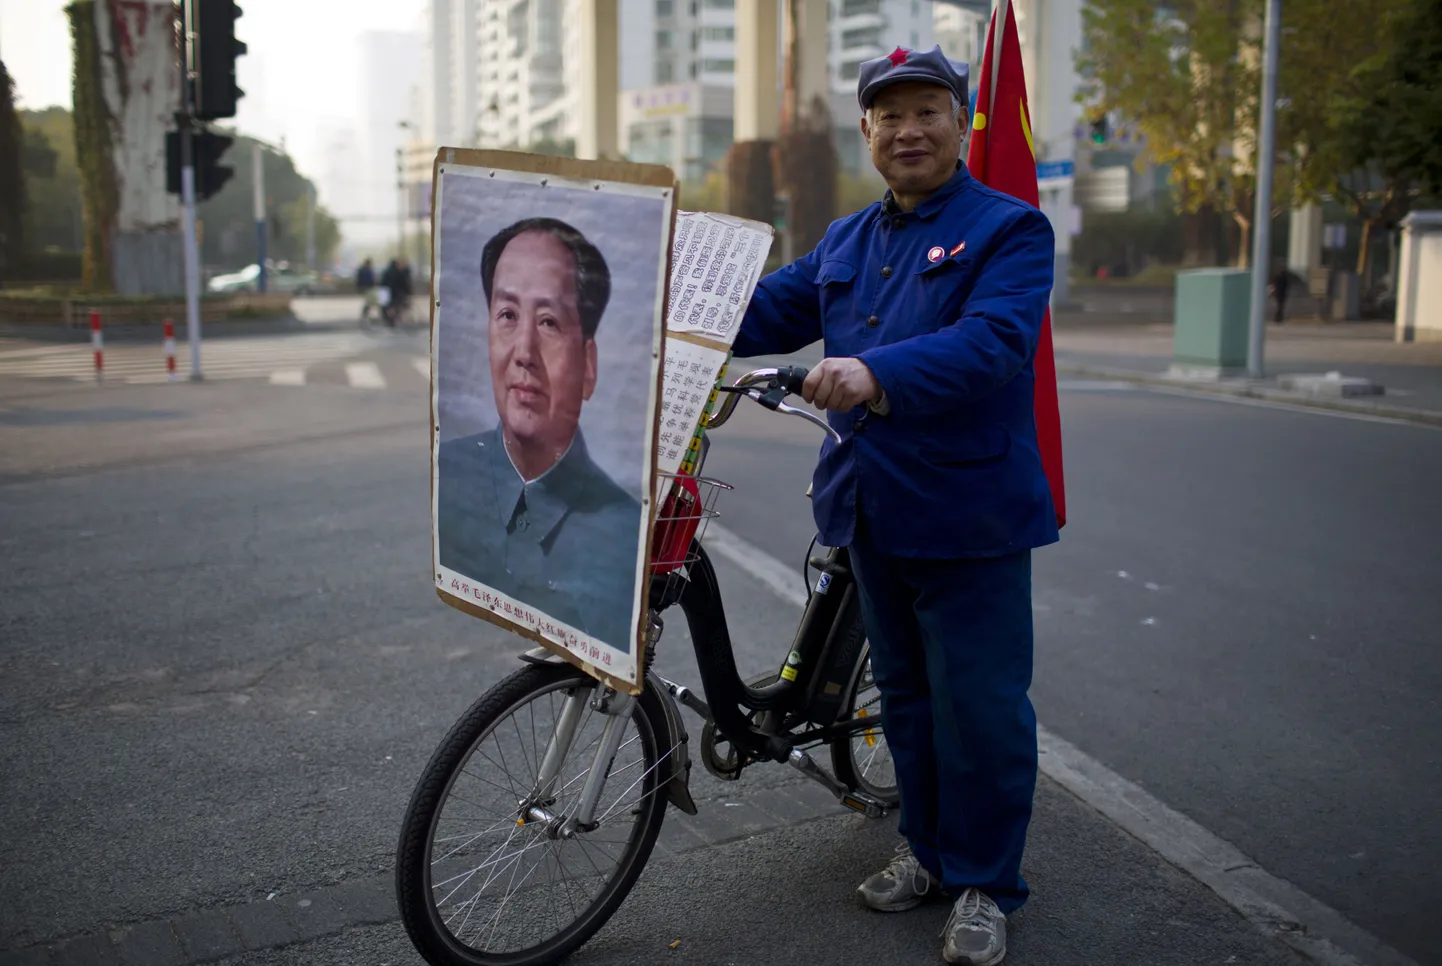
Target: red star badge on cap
x=898 y=57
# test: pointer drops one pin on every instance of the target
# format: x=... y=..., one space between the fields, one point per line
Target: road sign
x=1055 y=170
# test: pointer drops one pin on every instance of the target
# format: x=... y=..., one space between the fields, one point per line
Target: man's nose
x=523 y=349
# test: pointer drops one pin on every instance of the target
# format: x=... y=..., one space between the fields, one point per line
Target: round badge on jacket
x=935 y=254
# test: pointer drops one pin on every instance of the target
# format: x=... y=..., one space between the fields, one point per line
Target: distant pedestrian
x=1279 y=292
x=365 y=284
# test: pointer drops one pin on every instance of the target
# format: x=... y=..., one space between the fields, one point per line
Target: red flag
x=1002 y=157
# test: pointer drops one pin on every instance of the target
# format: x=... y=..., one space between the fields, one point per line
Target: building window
x=719 y=4
x=665 y=8
x=718 y=66
x=718 y=33
x=693 y=70
x=852 y=8
x=663 y=40
x=850 y=70
x=862 y=37
x=665 y=71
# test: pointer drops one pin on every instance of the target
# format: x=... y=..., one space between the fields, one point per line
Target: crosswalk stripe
x=364 y=375
x=422 y=365
x=288 y=377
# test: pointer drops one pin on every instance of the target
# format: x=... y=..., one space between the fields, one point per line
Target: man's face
x=542 y=368
x=914 y=137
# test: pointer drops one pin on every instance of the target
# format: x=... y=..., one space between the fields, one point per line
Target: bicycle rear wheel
x=863 y=760
x=479 y=884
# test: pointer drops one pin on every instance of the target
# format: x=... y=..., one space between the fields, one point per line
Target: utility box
x=1212 y=321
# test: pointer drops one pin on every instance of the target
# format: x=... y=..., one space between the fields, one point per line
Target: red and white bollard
x=97 y=342
x=169 y=351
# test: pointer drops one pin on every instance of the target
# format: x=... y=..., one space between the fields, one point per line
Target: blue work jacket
x=945 y=305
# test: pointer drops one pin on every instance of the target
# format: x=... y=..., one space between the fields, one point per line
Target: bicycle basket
x=689 y=503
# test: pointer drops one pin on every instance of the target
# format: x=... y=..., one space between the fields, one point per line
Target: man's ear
x=865 y=129
x=589 y=385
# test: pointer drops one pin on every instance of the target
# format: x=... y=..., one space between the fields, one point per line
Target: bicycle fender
x=678 y=762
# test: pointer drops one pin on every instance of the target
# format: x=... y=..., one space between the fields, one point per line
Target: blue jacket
x=945 y=305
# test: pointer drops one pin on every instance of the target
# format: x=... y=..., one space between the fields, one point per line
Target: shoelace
x=970 y=913
x=907 y=864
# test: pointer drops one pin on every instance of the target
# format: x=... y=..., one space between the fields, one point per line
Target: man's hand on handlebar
x=840 y=384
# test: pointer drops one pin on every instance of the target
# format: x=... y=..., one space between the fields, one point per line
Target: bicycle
x=813 y=698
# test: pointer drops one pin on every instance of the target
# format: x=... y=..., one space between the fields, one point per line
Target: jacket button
x=859 y=428
x=886 y=272
x=873 y=321
x=897 y=223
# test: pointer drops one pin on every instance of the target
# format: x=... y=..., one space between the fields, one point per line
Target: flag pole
x=998 y=31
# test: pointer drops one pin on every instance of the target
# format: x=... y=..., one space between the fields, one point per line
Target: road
x=223 y=667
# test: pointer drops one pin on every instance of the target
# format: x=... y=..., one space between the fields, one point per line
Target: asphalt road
x=1242 y=617
x=223 y=667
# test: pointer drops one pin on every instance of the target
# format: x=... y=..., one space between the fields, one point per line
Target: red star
x=898 y=57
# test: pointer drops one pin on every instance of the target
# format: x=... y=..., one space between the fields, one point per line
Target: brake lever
x=793 y=411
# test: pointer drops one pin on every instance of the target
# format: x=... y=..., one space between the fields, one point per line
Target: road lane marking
x=288 y=377
x=364 y=375
x=1273 y=905
x=422 y=365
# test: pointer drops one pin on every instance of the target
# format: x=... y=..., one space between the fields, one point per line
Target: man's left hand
x=840 y=384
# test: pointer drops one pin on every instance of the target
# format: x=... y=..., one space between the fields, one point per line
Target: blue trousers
x=951 y=651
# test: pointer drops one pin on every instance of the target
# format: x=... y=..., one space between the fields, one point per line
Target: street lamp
x=401 y=192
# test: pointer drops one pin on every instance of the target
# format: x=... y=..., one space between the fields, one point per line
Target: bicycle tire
x=843 y=750
x=428 y=933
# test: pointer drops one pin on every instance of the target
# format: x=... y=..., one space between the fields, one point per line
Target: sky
x=301 y=73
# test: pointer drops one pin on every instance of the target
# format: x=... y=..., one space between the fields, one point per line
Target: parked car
x=281 y=277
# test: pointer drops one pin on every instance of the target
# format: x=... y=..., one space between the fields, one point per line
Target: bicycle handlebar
x=780 y=382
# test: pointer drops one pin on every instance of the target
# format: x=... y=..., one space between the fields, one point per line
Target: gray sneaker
x=976 y=931
x=904 y=884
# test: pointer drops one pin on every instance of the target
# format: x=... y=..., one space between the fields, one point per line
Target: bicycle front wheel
x=479 y=880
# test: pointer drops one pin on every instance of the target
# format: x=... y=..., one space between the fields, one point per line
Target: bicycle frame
x=808 y=686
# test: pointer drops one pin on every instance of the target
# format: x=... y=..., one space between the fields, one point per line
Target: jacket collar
x=548 y=496
x=933 y=202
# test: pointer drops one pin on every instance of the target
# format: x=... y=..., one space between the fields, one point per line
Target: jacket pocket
x=979 y=448
x=834 y=281
x=945 y=286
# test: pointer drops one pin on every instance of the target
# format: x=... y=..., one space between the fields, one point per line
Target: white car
x=281 y=278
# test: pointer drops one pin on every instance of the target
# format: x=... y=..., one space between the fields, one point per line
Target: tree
x=1187 y=76
x=12 y=178
x=1402 y=112
x=52 y=182
x=229 y=215
x=1337 y=123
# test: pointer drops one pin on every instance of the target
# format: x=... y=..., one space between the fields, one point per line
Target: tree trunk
x=806 y=165
x=750 y=182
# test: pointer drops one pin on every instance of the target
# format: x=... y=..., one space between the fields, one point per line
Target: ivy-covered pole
x=94 y=152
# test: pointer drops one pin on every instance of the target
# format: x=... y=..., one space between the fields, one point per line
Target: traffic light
x=216 y=49
x=210 y=174
x=1099 y=130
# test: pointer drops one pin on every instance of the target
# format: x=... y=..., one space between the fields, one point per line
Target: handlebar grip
x=792 y=377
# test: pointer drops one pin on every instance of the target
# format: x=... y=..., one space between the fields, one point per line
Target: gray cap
x=931 y=67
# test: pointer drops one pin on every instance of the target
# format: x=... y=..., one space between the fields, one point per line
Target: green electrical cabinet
x=1211 y=315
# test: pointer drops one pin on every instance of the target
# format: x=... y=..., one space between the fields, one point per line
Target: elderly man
x=930 y=303
x=522 y=508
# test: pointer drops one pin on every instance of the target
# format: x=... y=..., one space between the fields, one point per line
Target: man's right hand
x=840 y=385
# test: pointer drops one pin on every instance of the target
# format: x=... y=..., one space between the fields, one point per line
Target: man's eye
x=507 y=315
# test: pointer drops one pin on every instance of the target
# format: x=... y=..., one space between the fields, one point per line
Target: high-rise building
x=391 y=79
x=437 y=74
x=521 y=85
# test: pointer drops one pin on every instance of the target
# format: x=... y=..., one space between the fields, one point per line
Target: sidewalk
x=1139 y=350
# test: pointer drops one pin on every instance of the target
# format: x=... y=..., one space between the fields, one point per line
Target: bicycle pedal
x=863 y=803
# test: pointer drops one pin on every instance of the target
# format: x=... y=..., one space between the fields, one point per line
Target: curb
x=1254 y=391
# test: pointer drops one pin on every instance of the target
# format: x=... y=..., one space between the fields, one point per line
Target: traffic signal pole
x=187 y=197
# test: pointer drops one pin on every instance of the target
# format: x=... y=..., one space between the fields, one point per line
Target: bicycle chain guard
x=725 y=767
